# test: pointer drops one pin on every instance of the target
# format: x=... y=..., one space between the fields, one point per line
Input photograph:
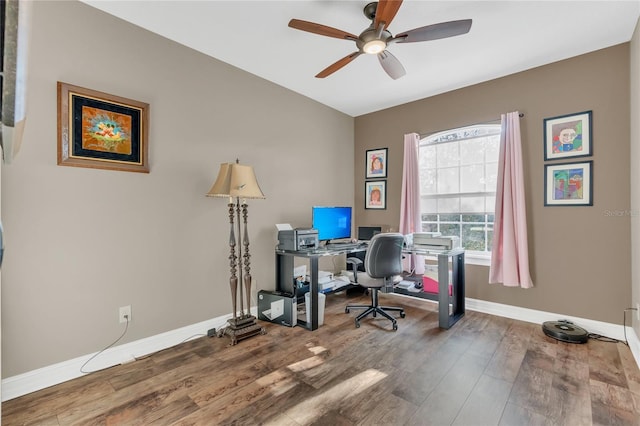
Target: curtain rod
x=497 y=120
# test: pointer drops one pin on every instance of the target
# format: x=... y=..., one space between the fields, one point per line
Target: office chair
x=382 y=263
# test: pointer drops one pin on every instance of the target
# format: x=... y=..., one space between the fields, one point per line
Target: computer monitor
x=332 y=223
x=366 y=233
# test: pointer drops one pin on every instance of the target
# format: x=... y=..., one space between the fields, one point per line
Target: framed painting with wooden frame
x=101 y=131
x=568 y=184
x=375 y=192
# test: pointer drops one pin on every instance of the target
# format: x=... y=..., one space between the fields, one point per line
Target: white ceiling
x=506 y=37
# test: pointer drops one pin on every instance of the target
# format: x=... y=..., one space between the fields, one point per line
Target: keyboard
x=343 y=246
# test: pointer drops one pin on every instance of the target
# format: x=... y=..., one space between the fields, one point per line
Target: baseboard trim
x=22 y=384
x=614 y=331
x=538 y=317
x=41 y=378
x=634 y=344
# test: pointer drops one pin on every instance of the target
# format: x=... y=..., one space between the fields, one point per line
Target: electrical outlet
x=125 y=314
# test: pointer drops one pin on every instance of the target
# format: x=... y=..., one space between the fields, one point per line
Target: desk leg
x=449 y=316
x=313 y=288
x=443 y=291
x=284 y=274
x=458 y=287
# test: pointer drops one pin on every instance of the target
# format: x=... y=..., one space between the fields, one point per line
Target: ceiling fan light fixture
x=373 y=47
x=375 y=38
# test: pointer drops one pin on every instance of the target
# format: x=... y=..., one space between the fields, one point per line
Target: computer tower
x=277 y=307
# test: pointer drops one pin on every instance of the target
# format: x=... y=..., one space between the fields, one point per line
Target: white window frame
x=458 y=135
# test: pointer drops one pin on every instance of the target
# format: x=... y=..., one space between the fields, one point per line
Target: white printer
x=435 y=240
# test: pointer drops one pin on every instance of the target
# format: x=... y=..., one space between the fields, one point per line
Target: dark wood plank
x=611 y=404
x=532 y=387
x=569 y=408
x=384 y=409
x=486 y=403
x=630 y=368
x=508 y=356
x=571 y=375
x=515 y=415
x=605 y=364
x=484 y=370
x=446 y=400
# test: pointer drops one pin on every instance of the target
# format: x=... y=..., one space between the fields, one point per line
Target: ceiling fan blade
x=312 y=27
x=391 y=65
x=435 y=31
x=337 y=65
x=386 y=11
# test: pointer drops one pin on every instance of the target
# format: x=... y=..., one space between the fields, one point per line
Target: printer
x=298 y=239
x=435 y=242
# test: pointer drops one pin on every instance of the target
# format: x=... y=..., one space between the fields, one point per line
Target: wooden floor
x=485 y=370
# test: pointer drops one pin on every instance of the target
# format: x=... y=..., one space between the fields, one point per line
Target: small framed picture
x=375 y=192
x=568 y=184
x=377 y=163
x=101 y=131
x=568 y=136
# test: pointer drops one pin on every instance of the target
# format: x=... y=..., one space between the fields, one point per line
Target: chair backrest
x=384 y=255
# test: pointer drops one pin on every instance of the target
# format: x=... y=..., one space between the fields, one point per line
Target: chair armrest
x=354 y=261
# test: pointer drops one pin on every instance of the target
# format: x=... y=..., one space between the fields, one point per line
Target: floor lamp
x=239 y=183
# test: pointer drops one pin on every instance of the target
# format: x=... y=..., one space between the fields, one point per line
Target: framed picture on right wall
x=568 y=184
x=568 y=136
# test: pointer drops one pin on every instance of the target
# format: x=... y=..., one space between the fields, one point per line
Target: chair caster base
x=376 y=311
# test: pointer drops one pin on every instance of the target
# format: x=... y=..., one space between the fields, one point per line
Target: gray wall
x=83 y=242
x=580 y=257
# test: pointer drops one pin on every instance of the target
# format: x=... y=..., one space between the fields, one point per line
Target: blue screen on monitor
x=332 y=222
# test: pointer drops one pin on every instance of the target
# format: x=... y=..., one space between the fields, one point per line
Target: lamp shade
x=236 y=180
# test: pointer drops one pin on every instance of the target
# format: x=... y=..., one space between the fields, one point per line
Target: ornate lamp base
x=241 y=328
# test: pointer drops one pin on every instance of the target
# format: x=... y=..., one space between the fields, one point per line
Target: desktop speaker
x=365 y=233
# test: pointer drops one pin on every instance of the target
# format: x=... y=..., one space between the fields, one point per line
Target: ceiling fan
x=376 y=38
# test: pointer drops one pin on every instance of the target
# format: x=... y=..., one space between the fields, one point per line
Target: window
x=458 y=176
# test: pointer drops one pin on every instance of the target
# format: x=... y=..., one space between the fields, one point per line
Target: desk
x=450 y=308
x=285 y=278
